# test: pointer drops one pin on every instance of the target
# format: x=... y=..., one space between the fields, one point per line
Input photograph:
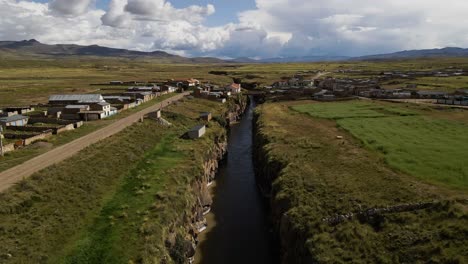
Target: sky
x=241 y=28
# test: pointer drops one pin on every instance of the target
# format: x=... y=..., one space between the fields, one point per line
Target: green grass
x=124 y=217
x=442 y=83
x=426 y=147
x=317 y=175
x=351 y=109
x=47 y=210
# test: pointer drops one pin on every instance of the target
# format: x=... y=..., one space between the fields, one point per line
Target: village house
x=307 y=83
x=117 y=99
x=372 y=93
x=88 y=112
x=295 y=82
x=14 y=120
x=168 y=89
x=326 y=84
x=234 y=88
x=104 y=107
x=153 y=88
x=454 y=100
x=90 y=115
x=71 y=112
x=324 y=95
x=431 y=94
x=209 y=87
x=143 y=96
x=280 y=84
x=197 y=132
x=200 y=92
x=183 y=83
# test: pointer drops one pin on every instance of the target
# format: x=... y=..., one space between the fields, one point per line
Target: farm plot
x=426 y=147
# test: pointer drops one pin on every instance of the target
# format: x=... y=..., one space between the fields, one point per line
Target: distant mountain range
x=33 y=48
x=407 y=54
x=292 y=59
x=425 y=53
x=36 y=49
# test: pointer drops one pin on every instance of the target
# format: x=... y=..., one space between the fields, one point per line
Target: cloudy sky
x=241 y=28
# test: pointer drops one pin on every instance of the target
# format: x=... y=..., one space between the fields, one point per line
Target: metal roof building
x=76 y=98
x=76 y=106
x=16 y=120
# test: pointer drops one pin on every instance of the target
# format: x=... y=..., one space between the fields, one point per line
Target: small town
x=25 y=125
x=386 y=85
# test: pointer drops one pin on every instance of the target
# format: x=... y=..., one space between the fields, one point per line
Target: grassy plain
x=24 y=82
x=410 y=140
x=113 y=202
x=124 y=190
x=322 y=176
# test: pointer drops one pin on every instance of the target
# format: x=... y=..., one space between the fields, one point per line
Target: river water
x=238 y=226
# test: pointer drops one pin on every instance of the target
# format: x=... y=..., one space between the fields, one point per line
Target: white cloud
x=361 y=26
x=162 y=10
x=274 y=28
x=116 y=15
x=70 y=7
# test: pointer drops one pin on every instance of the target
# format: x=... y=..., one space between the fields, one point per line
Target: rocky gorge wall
x=267 y=169
x=182 y=237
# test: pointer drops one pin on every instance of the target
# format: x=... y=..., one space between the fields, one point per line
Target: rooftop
x=235 y=86
x=431 y=92
x=77 y=106
x=84 y=98
x=117 y=97
x=142 y=93
x=8 y=119
x=197 y=128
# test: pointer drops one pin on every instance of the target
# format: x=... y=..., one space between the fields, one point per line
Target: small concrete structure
x=197 y=132
x=206 y=116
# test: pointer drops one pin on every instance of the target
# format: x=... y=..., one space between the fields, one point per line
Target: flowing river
x=238 y=226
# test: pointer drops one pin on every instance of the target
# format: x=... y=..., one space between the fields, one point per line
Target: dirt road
x=26 y=169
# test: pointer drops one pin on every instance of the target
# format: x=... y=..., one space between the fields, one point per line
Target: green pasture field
x=421 y=145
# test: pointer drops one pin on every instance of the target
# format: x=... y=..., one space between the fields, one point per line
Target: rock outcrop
x=193 y=221
x=267 y=170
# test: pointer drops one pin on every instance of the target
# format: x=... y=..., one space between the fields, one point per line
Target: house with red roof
x=234 y=88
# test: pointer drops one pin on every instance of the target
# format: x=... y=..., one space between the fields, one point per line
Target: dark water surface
x=239 y=230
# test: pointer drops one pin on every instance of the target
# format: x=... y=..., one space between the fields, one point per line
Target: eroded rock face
x=193 y=218
x=267 y=170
